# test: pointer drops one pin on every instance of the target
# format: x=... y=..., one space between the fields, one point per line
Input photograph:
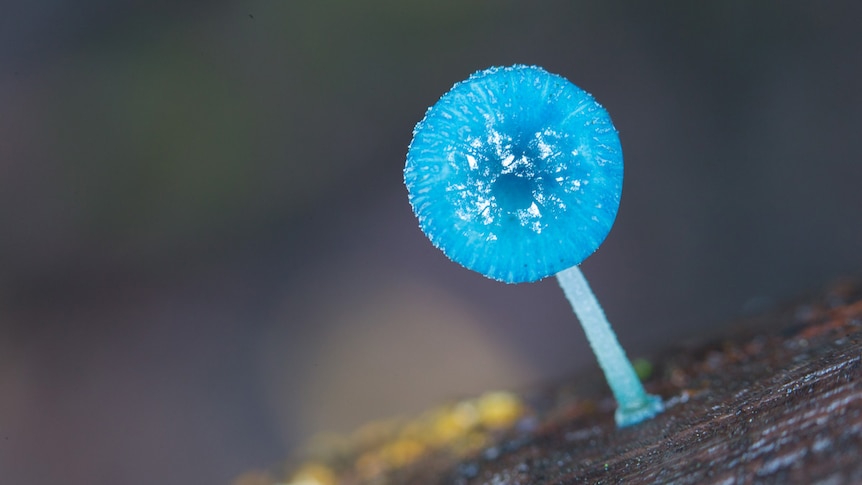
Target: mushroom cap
x=515 y=173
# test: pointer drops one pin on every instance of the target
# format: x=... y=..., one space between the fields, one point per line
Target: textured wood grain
x=780 y=406
x=776 y=400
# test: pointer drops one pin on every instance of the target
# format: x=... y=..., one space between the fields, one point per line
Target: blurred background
x=207 y=254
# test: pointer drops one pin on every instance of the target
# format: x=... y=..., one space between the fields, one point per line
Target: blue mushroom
x=516 y=173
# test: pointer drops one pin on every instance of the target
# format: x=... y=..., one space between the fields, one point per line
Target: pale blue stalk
x=633 y=403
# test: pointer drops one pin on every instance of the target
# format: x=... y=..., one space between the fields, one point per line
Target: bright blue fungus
x=516 y=173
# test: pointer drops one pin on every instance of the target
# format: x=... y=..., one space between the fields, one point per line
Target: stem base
x=646 y=409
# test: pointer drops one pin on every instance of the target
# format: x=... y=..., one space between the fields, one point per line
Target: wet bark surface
x=779 y=404
x=777 y=399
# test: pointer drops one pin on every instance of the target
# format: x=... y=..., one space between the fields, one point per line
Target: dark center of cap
x=513 y=191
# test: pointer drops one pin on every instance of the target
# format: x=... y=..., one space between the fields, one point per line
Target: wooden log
x=778 y=400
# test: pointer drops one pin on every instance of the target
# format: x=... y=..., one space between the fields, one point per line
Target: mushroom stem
x=633 y=403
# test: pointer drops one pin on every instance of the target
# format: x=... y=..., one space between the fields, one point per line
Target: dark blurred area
x=207 y=252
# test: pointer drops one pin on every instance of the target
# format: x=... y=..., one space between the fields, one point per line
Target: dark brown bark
x=778 y=400
x=783 y=405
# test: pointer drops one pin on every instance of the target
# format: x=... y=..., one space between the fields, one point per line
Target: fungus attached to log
x=516 y=173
